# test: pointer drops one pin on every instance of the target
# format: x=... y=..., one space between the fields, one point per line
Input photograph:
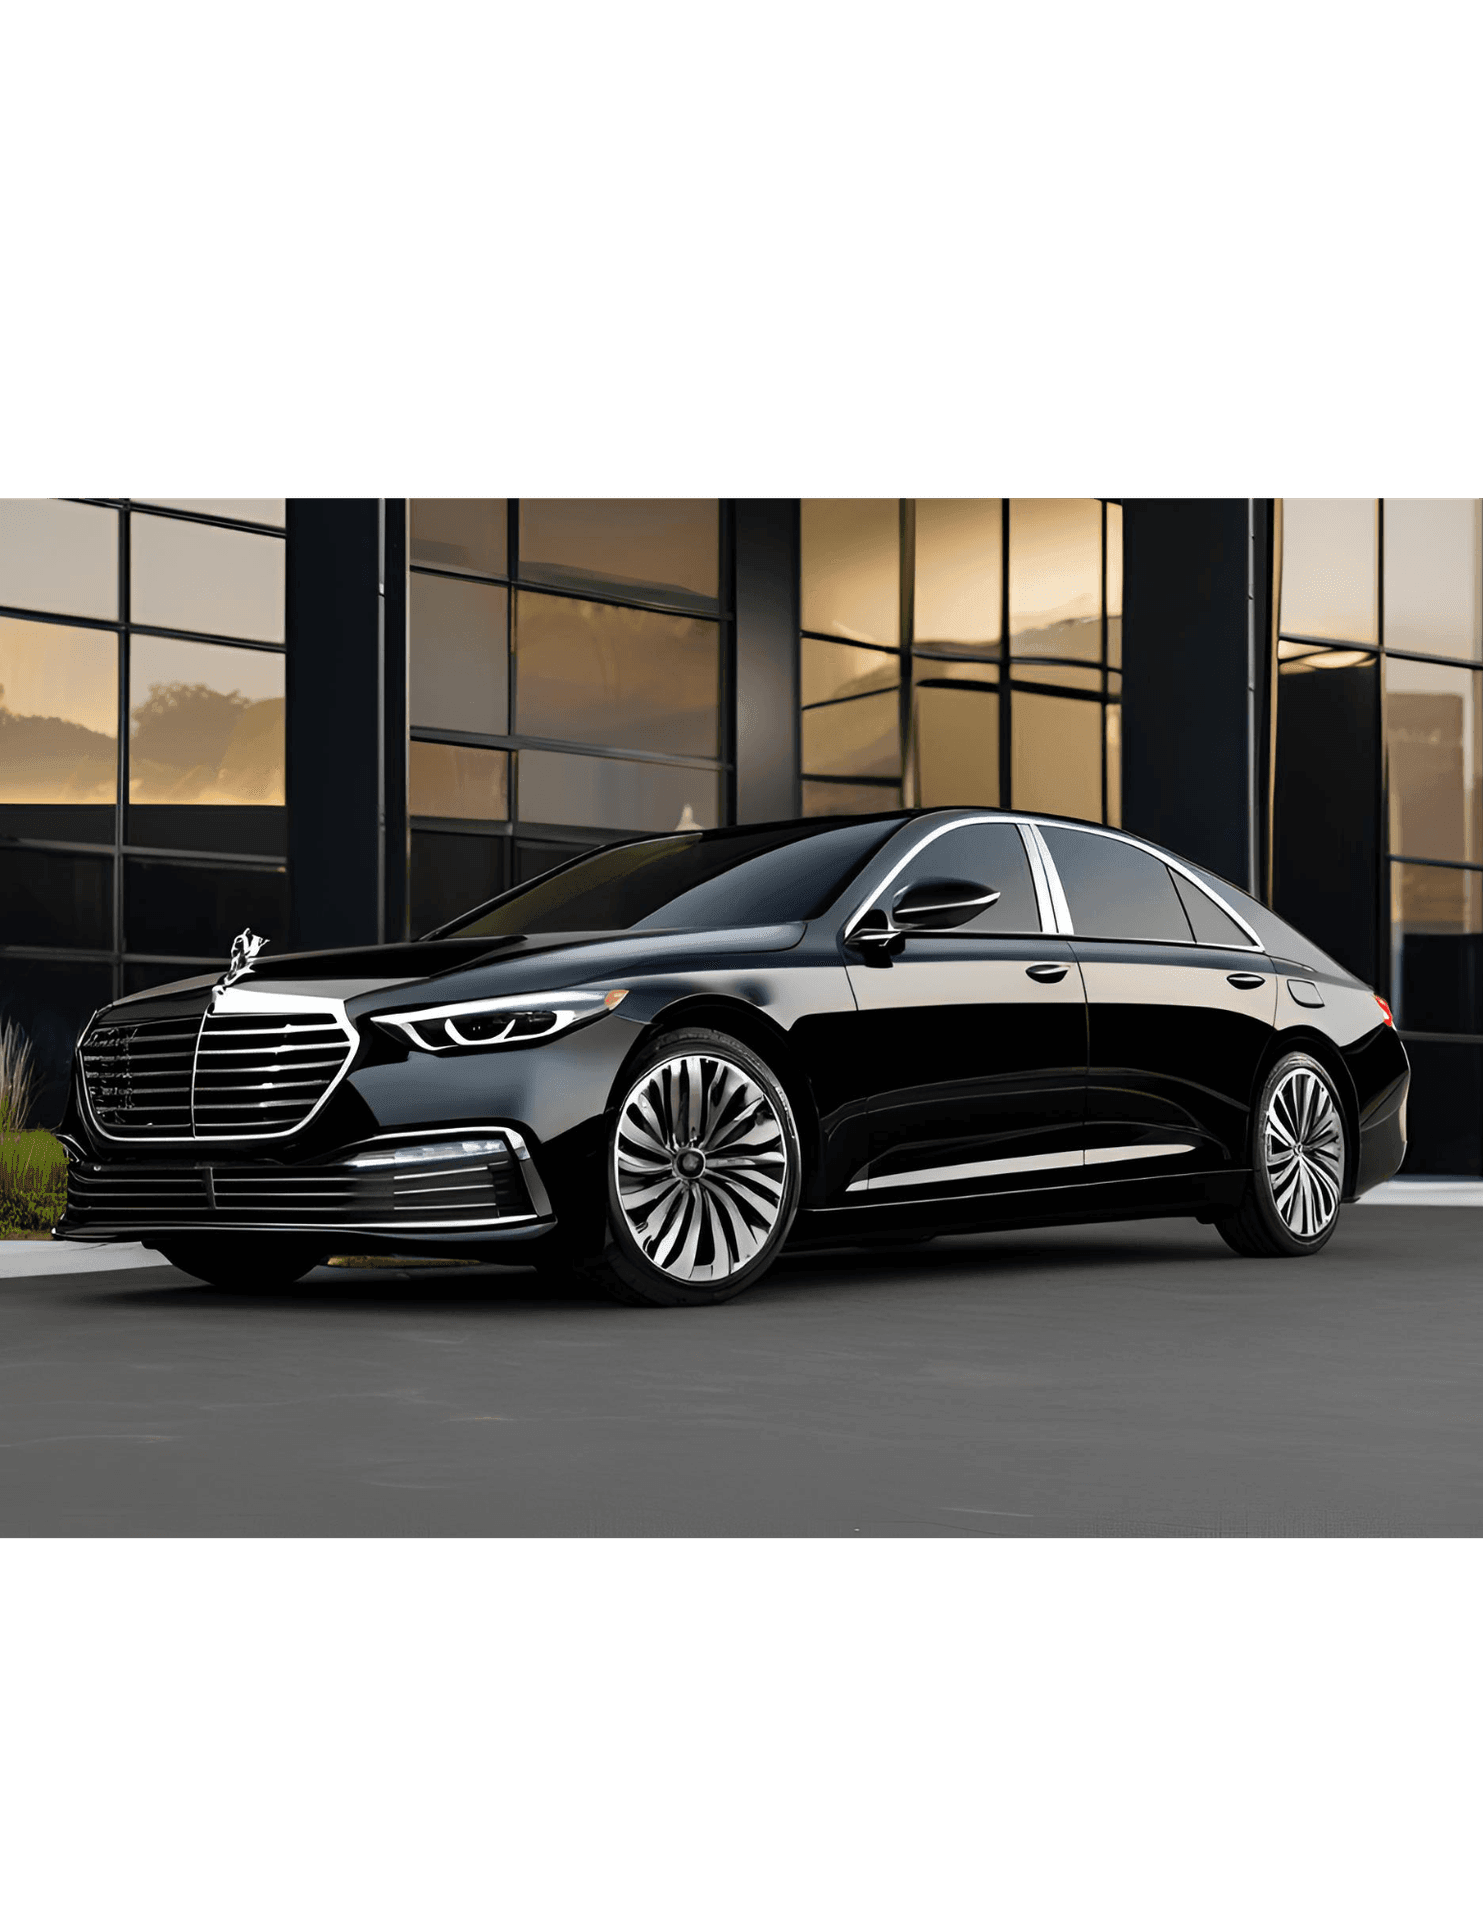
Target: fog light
x=493 y=1148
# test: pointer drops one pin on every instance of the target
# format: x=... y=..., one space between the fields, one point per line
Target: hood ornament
x=245 y=949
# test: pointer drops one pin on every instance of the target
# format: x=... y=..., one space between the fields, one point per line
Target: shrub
x=17 y=1079
x=33 y=1182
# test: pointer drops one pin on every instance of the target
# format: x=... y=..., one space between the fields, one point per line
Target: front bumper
x=465 y=1182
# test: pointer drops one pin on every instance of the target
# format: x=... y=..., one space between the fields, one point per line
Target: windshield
x=738 y=877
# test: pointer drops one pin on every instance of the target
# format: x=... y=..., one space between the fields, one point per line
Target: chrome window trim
x=1030 y=840
x=1053 y=881
x=1170 y=860
x=951 y=826
x=231 y=1000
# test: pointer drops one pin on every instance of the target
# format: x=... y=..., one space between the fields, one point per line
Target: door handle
x=1246 y=981
x=1047 y=972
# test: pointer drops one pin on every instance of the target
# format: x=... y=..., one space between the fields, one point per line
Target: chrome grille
x=251 y=1071
x=264 y=1074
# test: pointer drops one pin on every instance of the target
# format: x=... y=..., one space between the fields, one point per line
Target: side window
x=1213 y=926
x=1114 y=890
x=989 y=853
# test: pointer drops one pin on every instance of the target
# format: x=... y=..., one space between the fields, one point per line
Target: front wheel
x=241 y=1263
x=1291 y=1204
x=703 y=1173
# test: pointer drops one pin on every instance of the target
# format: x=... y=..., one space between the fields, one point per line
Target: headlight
x=499 y=1023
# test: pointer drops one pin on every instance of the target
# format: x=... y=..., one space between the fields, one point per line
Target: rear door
x=1180 y=1008
x=976 y=1039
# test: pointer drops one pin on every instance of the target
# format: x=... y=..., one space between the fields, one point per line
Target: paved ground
x=1099 y=1380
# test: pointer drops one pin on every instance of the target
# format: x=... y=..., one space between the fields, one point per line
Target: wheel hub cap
x=701 y=1167
x=1304 y=1150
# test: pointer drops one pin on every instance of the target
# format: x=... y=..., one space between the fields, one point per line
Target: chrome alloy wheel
x=702 y=1167
x=1304 y=1146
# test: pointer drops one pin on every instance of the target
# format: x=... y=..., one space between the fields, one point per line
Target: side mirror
x=937 y=905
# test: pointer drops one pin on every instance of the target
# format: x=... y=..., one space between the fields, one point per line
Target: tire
x=703 y=1173
x=1292 y=1200
x=240 y=1264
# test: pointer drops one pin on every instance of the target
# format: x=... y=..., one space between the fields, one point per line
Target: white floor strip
x=1425 y=1193
x=24 y=1259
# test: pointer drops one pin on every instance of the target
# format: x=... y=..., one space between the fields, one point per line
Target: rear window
x=1115 y=891
x=1281 y=941
x=1213 y=926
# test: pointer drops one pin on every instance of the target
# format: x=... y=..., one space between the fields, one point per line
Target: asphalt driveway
x=1097 y=1380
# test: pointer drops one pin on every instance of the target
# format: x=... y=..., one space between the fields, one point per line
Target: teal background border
x=782 y=248
x=767 y=248
x=730 y=1730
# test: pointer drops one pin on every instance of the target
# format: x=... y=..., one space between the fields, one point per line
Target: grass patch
x=33 y=1183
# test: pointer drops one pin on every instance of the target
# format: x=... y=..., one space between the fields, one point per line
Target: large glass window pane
x=850 y=569
x=51 y=1001
x=1325 y=856
x=616 y=676
x=205 y=579
x=198 y=911
x=1114 y=584
x=665 y=550
x=1431 y=577
x=1437 y=948
x=829 y=670
x=1114 y=891
x=55 y=899
x=58 y=731
x=1055 y=578
x=452 y=873
x=821 y=797
x=266 y=513
x=1056 y=754
x=854 y=737
x=1434 y=743
x=459 y=783
x=959 y=572
x=1329 y=570
x=59 y=557
x=460 y=677
x=628 y=796
x=955 y=743
x=467 y=535
x=205 y=745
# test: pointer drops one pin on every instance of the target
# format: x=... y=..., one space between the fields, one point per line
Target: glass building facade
x=1378 y=808
x=142 y=797
x=961 y=652
x=339 y=721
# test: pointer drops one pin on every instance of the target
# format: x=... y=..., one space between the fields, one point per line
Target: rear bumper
x=465 y=1183
x=1382 y=1140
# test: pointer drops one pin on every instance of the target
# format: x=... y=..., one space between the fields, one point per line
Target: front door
x=975 y=1039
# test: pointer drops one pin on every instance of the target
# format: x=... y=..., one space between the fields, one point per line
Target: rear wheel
x=241 y=1264
x=1291 y=1204
x=703 y=1173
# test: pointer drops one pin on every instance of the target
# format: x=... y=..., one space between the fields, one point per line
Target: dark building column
x=766 y=546
x=336 y=724
x=1191 y=739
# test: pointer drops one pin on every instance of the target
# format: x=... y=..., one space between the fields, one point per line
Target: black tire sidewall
x=623 y=1258
x=1261 y=1185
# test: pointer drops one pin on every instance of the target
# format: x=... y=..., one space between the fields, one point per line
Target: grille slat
x=121 y=1197
x=212 y=1076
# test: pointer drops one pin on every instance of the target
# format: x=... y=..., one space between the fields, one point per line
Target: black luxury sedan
x=671 y=1057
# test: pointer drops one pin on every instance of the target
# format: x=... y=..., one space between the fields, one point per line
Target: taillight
x=1384 y=1006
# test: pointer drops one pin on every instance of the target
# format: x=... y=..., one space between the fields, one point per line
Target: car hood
x=398 y=975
